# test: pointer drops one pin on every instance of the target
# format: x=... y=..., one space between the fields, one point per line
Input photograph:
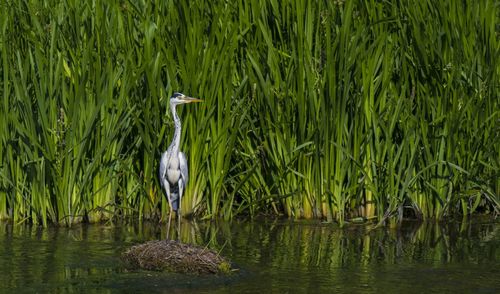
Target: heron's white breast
x=173 y=175
x=173 y=162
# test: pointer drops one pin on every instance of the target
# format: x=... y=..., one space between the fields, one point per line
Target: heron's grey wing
x=183 y=165
x=162 y=172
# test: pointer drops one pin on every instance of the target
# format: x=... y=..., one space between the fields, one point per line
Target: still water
x=273 y=256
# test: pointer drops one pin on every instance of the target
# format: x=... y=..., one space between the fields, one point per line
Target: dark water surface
x=274 y=256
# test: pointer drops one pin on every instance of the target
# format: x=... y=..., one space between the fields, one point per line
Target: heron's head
x=179 y=98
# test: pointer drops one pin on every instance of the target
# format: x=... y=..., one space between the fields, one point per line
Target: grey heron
x=173 y=170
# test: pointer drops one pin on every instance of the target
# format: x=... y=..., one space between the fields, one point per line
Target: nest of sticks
x=177 y=257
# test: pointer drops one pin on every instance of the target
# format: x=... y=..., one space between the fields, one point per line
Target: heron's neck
x=176 y=141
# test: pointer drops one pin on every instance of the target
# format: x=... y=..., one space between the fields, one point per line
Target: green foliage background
x=329 y=109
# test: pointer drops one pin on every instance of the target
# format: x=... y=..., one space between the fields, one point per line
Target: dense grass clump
x=328 y=109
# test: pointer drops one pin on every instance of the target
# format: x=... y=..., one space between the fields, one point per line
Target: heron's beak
x=187 y=99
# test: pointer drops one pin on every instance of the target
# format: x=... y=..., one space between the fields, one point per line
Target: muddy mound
x=175 y=256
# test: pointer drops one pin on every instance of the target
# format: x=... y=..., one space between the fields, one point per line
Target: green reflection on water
x=276 y=256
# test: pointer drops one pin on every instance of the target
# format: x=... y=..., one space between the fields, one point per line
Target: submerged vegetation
x=327 y=109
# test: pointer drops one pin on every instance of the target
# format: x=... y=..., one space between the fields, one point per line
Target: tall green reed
x=328 y=109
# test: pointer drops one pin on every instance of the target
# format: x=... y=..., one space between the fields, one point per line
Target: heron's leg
x=169 y=219
x=181 y=191
x=166 y=185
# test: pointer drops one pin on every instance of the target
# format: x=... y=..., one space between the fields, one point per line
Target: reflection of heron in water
x=173 y=163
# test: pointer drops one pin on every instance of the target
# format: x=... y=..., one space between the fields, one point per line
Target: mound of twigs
x=175 y=256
